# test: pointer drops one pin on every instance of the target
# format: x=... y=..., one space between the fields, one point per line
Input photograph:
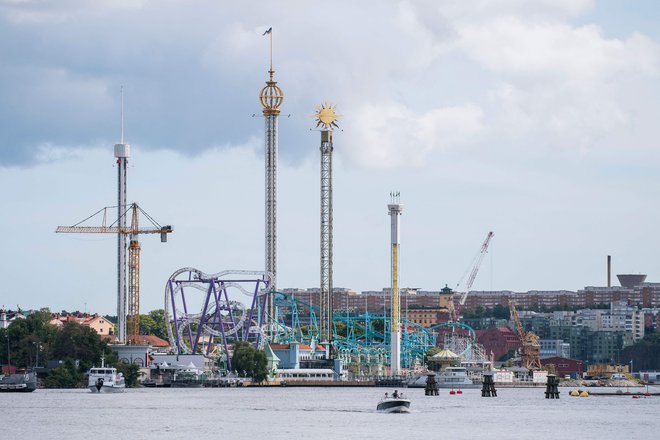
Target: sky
x=536 y=120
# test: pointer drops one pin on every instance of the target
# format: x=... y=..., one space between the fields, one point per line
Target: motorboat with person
x=395 y=403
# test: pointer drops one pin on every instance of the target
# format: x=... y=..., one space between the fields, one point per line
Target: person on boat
x=395 y=394
x=386 y=395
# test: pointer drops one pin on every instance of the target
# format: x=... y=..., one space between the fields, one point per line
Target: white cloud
x=554 y=51
x=60 y=11
x=391 y=135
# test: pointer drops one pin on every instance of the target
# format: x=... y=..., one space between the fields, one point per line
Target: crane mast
x=473 y=274
x=133 y=314
x=530 y=352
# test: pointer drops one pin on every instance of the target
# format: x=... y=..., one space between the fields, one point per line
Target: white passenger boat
x=392 y=404
x=105 y=379
x=451 y=377
x=455 y=378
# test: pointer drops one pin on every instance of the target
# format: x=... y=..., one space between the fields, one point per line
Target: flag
x=268 y=31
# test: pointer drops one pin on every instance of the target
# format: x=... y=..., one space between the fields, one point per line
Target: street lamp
x=37 y=347
x=8 y=352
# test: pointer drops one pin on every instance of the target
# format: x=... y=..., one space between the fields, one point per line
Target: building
x=498 y=341
x=554 y=348
x=642 y=295
x=8 y=316
x=296 y=356
x=427 y=317
x=564 y=367
x=98 y=323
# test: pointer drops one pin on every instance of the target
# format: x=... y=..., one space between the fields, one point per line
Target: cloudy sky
x=537 y=120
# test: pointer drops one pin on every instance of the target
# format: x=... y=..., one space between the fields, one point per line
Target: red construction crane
x=475 y=269
x=133 y=254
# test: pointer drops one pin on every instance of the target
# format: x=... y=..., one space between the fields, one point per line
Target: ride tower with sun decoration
x=326 y=119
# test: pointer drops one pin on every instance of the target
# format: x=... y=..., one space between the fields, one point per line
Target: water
x=320 y=413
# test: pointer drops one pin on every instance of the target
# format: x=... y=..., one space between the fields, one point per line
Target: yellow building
x=427 y=317
x=98 y=323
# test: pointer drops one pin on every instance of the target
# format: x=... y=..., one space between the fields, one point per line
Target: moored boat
x=451 y=377
x=190 y=377
x=20 y=382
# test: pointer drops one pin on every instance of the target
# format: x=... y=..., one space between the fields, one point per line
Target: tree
x=250 y=361
x=341 y=329
x=27 y=337
x=645 y=354
x=501 y=312
x=131 y=373
x=430 y=353
x=76 y=342
x=64 y=376
x=378 y=325
x=154 y=324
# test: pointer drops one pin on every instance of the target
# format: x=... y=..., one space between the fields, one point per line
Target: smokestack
x=609 y=271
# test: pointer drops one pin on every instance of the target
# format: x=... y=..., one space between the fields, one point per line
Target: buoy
x=574 y=393
x=584 y=394
x=459 y=392
x=635 y=397
x=452 y=392
x=647 y=394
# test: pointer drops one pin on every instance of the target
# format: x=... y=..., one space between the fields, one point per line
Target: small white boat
x=105 y=379
x=391 y=404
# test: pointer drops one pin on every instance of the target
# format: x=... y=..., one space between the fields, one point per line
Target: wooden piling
x=488 y=386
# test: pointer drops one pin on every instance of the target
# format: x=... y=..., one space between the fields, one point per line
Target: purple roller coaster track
x=205 y=318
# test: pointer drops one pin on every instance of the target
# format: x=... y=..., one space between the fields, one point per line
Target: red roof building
x=498 y=340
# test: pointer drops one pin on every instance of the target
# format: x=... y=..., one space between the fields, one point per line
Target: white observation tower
x=395 y=209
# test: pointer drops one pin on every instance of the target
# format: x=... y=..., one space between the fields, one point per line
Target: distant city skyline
x=535 y=120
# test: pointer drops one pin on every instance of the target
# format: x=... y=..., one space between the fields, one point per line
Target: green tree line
x=31 y=342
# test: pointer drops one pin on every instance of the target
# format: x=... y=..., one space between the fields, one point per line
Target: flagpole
x=270 y=34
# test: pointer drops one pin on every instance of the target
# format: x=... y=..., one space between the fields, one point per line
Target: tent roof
x=444 y=354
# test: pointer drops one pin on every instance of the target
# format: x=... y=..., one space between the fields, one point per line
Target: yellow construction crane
x=530 y=352
x=133 y=254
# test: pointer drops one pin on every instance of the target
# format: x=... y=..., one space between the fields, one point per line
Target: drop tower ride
x=395 y=209
x=271 y=98
x=122 y=153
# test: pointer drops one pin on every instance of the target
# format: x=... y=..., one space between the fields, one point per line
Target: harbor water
x=321 y=413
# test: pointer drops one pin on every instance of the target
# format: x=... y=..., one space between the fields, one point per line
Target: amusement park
x=311 y=336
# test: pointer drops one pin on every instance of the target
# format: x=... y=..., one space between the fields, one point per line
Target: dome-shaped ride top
x=271 y=97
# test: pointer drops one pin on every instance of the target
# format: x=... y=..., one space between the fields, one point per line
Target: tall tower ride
x=395 y=209
x=271 y=98
x=122 y=153
x=327 y=119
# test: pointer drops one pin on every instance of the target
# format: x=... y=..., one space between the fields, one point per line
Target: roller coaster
x=360 y=339
x=204 y=319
